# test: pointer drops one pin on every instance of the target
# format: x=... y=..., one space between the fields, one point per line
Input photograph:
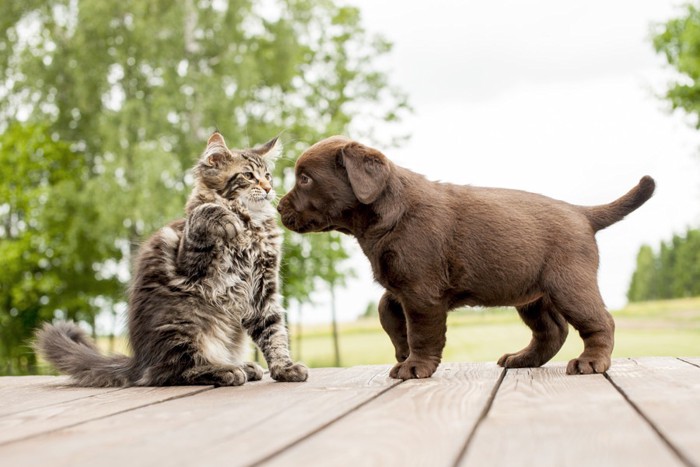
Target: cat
x=200 y=284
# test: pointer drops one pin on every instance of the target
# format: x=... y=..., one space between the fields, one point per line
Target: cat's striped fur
x=200 y=285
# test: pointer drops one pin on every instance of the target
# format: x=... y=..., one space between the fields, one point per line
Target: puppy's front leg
x=393 y=320
x=426 y=328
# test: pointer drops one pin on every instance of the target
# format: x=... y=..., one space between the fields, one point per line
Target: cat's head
x=239 y=174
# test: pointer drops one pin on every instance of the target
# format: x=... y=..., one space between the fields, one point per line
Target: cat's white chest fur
x=223 y=347
x=261 y=212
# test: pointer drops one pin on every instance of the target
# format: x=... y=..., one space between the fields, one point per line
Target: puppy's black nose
x=279 y=208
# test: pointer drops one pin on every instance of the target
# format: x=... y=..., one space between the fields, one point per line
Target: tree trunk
x=334 y=319
x=299 y=330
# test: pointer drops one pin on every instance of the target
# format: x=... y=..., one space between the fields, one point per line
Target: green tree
x=685 y=272
x=49 y=240
x=672 y=273
x=678 y=40
x=329 y=253
x=644 y=280
x=136 y=87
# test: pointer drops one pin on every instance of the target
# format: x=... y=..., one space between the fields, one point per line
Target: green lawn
x=665 y=328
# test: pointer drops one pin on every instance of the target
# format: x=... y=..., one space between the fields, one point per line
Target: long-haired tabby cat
x=200 y=283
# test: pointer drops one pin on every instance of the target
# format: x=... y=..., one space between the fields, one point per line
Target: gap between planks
x=691 y=360
x=19 y=407
x=538 y=412
x=40 y=422
x=250 y=420
x=417 y=422
x=322 y=427
x=688 y=382
x=482 y=416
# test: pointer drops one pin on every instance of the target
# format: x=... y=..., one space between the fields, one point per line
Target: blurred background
x=105 y=106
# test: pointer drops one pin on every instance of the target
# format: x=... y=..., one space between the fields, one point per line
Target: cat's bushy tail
x=71 y=351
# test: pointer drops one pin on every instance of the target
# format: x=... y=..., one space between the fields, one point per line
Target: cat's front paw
x=291 y=373
x=253 y=371
x=232 y=228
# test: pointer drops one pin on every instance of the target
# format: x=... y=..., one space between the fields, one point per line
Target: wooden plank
x=541 y=416
x=216 y=422
x=41 y=391
x=14 y=381
x=667 y=392
x=307 y=413
x=53 y=417
x=420 y=422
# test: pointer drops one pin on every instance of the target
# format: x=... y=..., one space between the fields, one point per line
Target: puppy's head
x=333 y=177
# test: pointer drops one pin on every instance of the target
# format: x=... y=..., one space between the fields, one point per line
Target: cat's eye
x=249 y=175
x=268 y=177
x=304 y=179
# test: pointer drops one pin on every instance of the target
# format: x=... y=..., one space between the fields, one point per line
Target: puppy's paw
x=253 y=371
x=291 y=373
x=401 y=354
x=588 y=365
x=521 y=359
x=413 y=368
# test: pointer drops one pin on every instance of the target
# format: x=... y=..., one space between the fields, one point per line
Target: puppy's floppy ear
x=368 y=171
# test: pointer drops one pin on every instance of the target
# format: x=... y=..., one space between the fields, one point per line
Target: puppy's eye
x=249 y=175
x=304 y=179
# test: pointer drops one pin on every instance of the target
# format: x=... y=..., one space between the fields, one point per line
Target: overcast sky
x=553 y=97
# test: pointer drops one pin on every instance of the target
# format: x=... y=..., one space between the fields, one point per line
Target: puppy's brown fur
x=437 y=246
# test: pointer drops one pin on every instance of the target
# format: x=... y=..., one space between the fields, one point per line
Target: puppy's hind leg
x=549 y=330
x=393 y=320
x=580 y=302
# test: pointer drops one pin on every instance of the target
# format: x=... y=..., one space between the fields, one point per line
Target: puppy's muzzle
x=287 y=214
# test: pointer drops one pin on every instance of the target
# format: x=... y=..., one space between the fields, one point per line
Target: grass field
x=664 y=328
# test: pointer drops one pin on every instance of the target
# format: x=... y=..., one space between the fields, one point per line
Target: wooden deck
x=643 y=412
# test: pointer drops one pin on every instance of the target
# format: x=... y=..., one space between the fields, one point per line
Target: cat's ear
x=216 y=152
x=216 y=138
x=270 y=151
x=368 y=171
x=215 y=159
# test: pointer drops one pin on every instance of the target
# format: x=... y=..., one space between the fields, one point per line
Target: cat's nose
x=265 y=185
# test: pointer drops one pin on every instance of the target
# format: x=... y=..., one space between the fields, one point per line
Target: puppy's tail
x=605 y=215
x=71 y=351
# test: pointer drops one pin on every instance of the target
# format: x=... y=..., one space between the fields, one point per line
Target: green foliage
x=672 y=273
x=49 y=239
x=678 y=41
x=675 y=270
x=131 y=90
x=644 y=285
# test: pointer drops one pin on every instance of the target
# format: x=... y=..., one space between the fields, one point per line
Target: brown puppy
x=436 y=246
